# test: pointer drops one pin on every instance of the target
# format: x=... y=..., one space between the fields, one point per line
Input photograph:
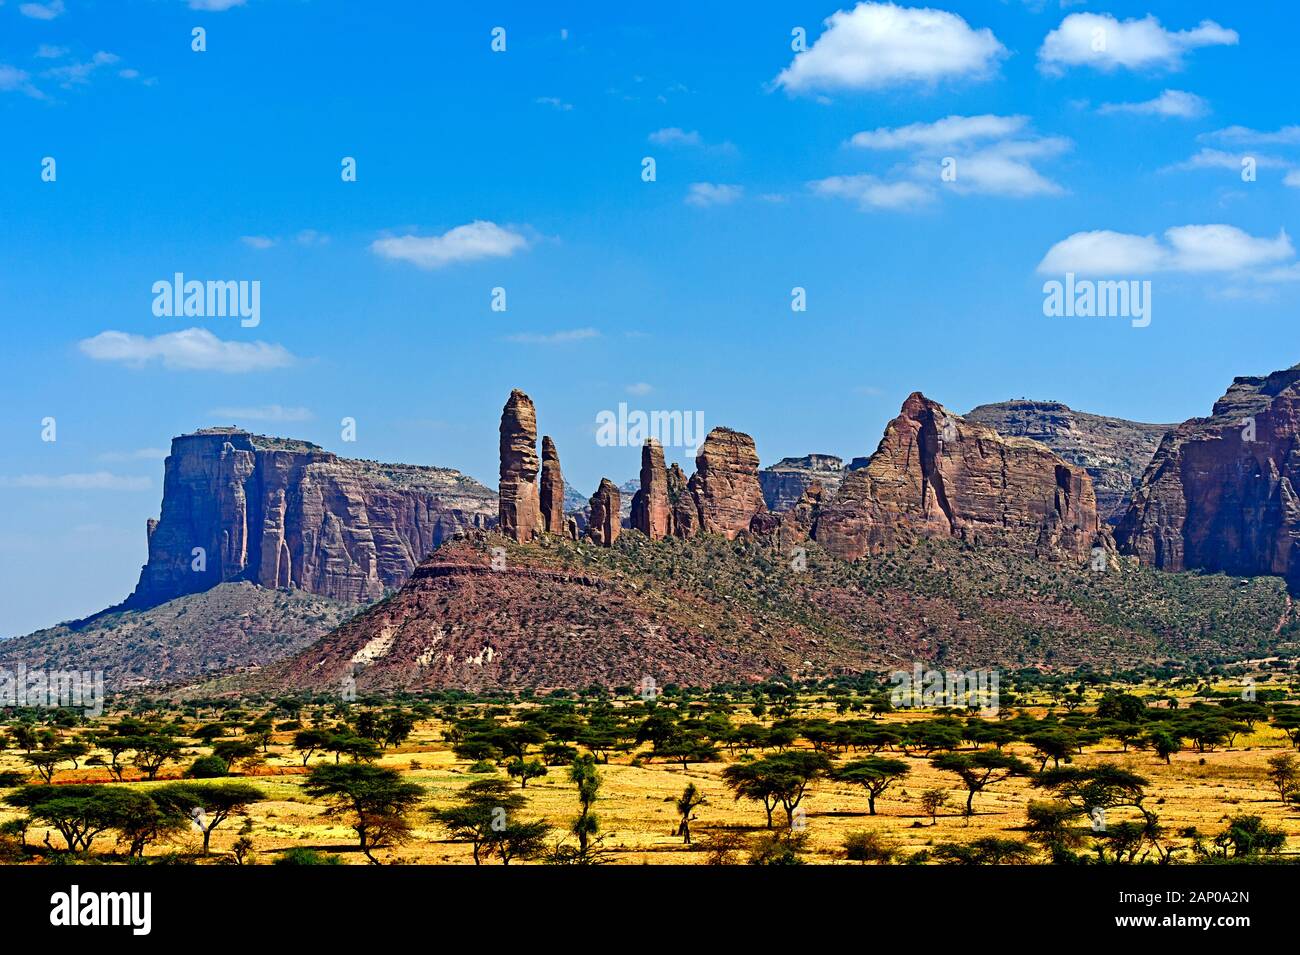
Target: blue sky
x=522 y=170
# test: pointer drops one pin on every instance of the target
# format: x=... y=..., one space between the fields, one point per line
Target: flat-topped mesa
x=603 y=524
x=652 y=512
x=1220 y=495
x=725 y=485
x=936 y=474
x=552 y=497
x=285 y=513
x=520 y=509
x=785 y=482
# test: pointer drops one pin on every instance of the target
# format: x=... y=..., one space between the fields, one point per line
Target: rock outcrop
x=938 y=475
x=603 y=522
x=798 y=522
x=785 y=482
x=521 y=513
x=282 y=513
x=652 y=512
x=1220 y=494
x=1113 y=451
x=552 y=498
x=685 y=512
x=725 y=485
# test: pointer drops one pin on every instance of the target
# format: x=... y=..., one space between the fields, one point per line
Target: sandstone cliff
x=1113 y=451
x=725 y=485
x=1220 y=493
x=938 y=475
x=280 y=513
x=520 y=502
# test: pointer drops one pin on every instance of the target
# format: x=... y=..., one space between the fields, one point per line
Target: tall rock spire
x=603 y=525
x=521 y=514
x=651 y=510
x=553 y=521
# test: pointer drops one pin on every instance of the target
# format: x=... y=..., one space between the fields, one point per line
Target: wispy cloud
x=42 y=11
x=14 y=80
x=215 y=6
x=713 y=194
x=554 y=338
x=1175 y=103
x=640 y=388
x=555 y=103
x=465 y=243
x=139 y=454
x=95 y=481
x=262 y=413
x=194 y=349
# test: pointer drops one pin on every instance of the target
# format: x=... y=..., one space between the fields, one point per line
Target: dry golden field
x=637 y=811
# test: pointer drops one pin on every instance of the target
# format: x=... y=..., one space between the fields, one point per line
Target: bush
x=208 y=767
x=301 y=856
x=482 y=766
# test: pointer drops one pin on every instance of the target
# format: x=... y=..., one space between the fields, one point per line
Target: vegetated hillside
x=231 y=625
x=566 y=614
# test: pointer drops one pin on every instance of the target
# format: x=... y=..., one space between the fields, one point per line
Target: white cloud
x=1100 y=41
x=1006 y=169
x=555 y=338
x=257 y=241
x=640 y=388
x=873 y=193
x=713 y=194
x=942 y=133
x=42 y=11
x=1292 y=179
x=262 y=413
x=215 y=6
x=879 y=45
x=95 y=481
x=48 y=52
x=1189 y=248
x=987 y=155
x=194 y=349
x=1175 y=103
x=465 y=243
x=674 y=136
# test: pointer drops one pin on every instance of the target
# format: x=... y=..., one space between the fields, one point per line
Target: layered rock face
x=552 y=499
x=521 y=513
x=1113 y=451
x=652 y=512
x=935 y=474
x=1220 y=493
x=725 y=485
x=785 y=482
x=604 y=523
x=279 y=513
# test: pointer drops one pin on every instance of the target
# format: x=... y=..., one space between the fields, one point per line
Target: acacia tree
x=208 y=805
x=874 y=773
x=690 y=800
x=780 y=779
x=980 y=769
x=375 y=800
x=485 y=808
